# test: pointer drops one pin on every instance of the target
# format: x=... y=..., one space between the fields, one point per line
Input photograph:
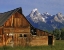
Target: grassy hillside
x=59 y=45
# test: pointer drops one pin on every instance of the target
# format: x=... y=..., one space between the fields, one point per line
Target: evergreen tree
x=57 y=34
x=62 y=33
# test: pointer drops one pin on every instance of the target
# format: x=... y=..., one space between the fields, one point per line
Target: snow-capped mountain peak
x=46 y=13
x=34 y=9
x=36 y=16
x=59 y=17
x=45 y=21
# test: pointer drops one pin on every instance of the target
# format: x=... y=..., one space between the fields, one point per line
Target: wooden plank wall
x=39 y=40
x=42 y=33
x=16 y=20
x=1 y=37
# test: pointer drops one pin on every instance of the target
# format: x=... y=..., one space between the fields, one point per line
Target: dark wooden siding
x=42 y=33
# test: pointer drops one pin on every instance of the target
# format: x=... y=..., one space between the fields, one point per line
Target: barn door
x=50 y=40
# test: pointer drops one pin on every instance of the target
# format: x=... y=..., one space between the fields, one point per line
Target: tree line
x=58 y=33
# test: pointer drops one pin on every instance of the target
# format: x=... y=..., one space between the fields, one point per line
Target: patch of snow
x=35 y=9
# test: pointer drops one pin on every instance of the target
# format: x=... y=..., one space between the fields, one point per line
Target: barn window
x=20 y=35
x=25 y=35
x=35 y=33
x=32 y=31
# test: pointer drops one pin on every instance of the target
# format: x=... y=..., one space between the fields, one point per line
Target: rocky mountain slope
x=45 y=21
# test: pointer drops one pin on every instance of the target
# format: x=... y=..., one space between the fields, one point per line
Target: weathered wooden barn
x=16 y=30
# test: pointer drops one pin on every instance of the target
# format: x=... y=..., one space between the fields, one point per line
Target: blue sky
x=50 y=6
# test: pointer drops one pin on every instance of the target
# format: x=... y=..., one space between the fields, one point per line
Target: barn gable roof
x=4 y=16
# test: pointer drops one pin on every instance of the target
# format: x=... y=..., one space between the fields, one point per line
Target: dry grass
x=59 y=45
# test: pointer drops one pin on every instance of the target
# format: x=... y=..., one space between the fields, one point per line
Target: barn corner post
x=53 y=40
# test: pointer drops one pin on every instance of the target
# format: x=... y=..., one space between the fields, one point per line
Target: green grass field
x=59 y=45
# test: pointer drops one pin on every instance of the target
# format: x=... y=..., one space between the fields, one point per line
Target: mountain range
x=45 y=21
